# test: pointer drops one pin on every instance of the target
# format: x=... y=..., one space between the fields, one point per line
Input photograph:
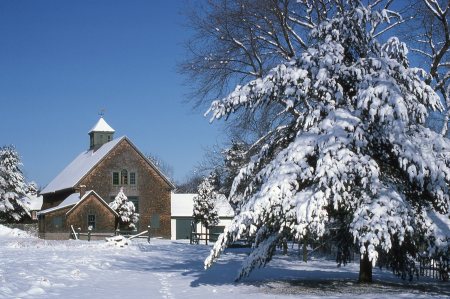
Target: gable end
x=92 y=192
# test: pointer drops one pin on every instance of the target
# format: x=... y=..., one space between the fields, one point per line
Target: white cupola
x=100 y=134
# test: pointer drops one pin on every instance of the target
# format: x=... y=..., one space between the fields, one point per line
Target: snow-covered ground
x=34 y=268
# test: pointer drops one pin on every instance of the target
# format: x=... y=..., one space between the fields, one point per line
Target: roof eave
x=57 y=191
x=54 y=209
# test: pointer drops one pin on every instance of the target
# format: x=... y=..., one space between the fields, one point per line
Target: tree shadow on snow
x=349 y=286
x=279 y=277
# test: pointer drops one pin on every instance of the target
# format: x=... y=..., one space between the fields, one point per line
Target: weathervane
x=102 y=112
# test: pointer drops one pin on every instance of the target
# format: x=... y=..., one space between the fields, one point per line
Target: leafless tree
x=432 y=43
x=190 y=184
x=239 y=40
x=236 y=41
x=162 y=165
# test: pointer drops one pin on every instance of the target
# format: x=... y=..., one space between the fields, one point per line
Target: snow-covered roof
x=80 y=200
x=73 y=200
x=34 y=202
x=224 y=208
x=70 y=200
x=101 y=126
x=79 y=167
x=182 y=205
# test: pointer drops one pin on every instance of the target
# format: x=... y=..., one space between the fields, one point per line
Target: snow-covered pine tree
x=355 y=158
x=12 y=186
x=126 y=210
x=204 y=210
x=235 y=157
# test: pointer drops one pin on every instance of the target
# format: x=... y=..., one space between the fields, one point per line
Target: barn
x=108 y=165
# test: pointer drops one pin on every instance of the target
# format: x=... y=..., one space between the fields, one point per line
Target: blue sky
x=61 y=62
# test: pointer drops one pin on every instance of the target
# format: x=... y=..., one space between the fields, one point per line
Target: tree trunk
x=285 y=246
x=305 y=251
x=365 y=269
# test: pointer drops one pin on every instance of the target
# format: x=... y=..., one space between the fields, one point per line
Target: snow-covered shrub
x=126 y=210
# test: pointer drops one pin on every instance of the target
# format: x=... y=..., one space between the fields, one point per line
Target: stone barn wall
x=105 y=219
x=53 y=226
x=151 y=190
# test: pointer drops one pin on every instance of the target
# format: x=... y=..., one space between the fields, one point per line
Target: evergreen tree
x=356 y=158
x=12 y=186
x=204 y=203
x=126 y=210
x=235 y=157
x=32 y=189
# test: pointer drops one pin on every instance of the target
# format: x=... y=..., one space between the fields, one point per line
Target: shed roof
x=223 y=207
x=73 y=200
x=79 y=202
x=182 y=205
x=69 y=201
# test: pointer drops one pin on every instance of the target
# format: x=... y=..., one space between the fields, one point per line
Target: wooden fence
x=92 y=235
x=434 y=268
x=197 y=238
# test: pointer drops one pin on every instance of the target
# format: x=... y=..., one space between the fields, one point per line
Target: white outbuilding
x=182 y=221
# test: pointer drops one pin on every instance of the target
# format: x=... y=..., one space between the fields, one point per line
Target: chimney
x=82 y=190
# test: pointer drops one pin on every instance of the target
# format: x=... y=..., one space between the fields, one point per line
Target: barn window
x=132 y=178
x=124 y=177
x=115 y=178
x=91 y=221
